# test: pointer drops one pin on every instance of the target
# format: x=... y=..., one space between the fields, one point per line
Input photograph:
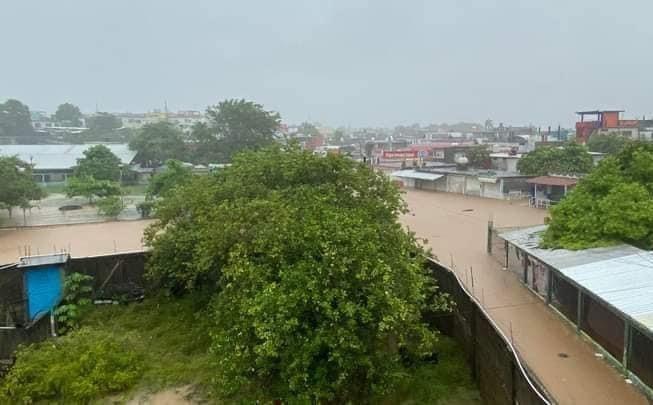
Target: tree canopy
x=15 y=119
x=614 y=203
x=69 y=115
x=479 y=157
x=158 y=142
x=175 y=174
x=570 y=159
x=317 y=288
x=605 y=143
x=17 y=187
x=103 y=121
x=234 y=125
x=100 y=163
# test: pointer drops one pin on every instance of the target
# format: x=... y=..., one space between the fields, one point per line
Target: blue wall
x=44 y=289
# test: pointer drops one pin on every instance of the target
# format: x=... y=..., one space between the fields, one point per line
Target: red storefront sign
x=399 y=154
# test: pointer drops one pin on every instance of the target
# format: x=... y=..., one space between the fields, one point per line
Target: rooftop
x=620 y=275
x=61 y=157
x=553 y=181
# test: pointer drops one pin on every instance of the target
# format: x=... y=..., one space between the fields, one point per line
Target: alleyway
x=455 y=227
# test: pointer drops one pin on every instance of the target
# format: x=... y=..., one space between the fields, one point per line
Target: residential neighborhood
x=326 y=203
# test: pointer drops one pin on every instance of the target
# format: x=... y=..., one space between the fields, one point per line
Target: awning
x=553 y=181
x=414 y=174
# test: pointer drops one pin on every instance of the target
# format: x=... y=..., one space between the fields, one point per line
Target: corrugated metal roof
x=553 y=181
x=61 y=157
x=413 y=174
x=621 y=275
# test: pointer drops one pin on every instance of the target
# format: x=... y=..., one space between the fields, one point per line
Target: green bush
x=73 y=369
x=76 y=301
x=110 y=206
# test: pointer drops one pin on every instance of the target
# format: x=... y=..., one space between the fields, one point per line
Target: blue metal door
x=44 y=289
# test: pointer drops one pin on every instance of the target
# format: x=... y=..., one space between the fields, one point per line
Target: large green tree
x=100 y=163
x=317 y=288
x=479 y=157
x=234 y=125
x=103 y=122
x=17 y=187
x=605 y=143
x=69 y=115
x=570 y=159
x=174 y=175
x=15 y=119
x=614 y=203
x=158 y=142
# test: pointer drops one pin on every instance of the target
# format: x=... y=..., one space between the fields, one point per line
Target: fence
x=496 y=367
x=113 y=275
x=627 y=344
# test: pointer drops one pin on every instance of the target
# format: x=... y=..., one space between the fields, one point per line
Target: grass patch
x=58 y=188
x=170 y=338
x=449 y=382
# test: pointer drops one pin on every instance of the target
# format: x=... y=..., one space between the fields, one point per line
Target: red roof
x=553 y=181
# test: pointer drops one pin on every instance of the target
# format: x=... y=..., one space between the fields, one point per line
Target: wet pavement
x=456 y=229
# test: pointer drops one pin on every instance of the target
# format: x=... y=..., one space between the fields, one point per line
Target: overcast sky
x=344 y=62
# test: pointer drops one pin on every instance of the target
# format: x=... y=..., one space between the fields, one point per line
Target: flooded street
x=79 y=240
x=456 y=229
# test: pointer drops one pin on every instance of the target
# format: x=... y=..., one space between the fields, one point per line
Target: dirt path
x=455 y=227
x=79 y=240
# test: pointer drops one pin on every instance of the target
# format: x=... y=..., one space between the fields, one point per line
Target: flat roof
x=414 y=174
x=553 y=181
x=620 y=275
x=599 y=111
x=61 y=157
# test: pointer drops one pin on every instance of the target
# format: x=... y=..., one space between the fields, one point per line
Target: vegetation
x=68 y=115
x=158 y=142
x=234 y=125
x=15 y=119
x=316 y=287
x=76 y=302
x=73 y=369
x=479 y=157
x=175 y=174
x=171 y=358
x=571 y=159
x=110 y=206
x=91 y=188
x=99 y=163
x=103 y=121
x=614 y=203
x=609 y=144
x=18 y=187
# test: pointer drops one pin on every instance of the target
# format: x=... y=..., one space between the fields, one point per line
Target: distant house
x=548 y=190
x=505 y=161
x=481 y=183
x=54 y=163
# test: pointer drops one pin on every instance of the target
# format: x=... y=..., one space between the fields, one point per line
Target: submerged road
x=78 y=240
x=456 y=229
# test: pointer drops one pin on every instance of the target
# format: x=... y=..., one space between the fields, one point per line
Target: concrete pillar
x=627 y=344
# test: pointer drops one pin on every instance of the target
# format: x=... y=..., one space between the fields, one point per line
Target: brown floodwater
x=79 y=240
x=456 y=229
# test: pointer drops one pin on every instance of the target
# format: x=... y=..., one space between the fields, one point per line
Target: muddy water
x=455 y=227
x=79 y=240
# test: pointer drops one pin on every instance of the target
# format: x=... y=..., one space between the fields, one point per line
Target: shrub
x=76 y=301
x=110 y=206
x=72 y=369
